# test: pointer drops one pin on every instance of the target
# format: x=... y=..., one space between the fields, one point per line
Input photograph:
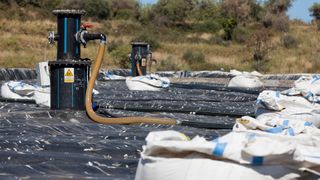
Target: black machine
x=140 y=58
x=69 y=74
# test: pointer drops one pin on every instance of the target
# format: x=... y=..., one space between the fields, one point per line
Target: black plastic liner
x=17 y=74
x=38 y=143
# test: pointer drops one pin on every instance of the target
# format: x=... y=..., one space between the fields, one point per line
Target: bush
x=113 y=45
x=218 y=40
x=167 y=65
x=120 y=56
x=228 y=26
x=127 y=27
x=196 y=61
x=315 y=12
x=73 y=4
x=99 y=9
x=208 y=26
x=193 y=57
x=281 y=23
x=150 y=39
x=125 y=14
x=289 y=41
x=240 y=34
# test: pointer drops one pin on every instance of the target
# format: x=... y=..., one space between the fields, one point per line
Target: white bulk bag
x=147 y=83
x=17 y=90
x=237 y=155
x=245 y=81
x=272 y=105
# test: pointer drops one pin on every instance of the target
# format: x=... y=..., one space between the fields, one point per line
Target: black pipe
x=206 y=125
x=69 y=22
x=139 y=56
x=89 y=37
x=194 y=124
x=69 y=74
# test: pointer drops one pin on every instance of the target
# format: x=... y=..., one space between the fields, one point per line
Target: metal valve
x=51 y=37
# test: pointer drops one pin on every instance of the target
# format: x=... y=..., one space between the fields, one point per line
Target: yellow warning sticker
x=69 y=75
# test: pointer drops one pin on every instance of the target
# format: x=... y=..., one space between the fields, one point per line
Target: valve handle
x=86 y=25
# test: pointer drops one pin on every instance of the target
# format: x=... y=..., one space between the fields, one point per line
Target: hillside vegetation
x=185 y=34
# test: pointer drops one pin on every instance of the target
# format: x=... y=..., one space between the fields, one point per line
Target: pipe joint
x=83 y=36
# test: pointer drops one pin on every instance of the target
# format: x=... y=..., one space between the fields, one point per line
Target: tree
x=278 y=6
x=276 y=16
x=170 y=12
x=315 y=12
x=99 y=9
x=236 y=9
x=205 y=10
x=124 y=9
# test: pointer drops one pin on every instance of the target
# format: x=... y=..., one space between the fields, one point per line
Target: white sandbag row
x=151 y=82
x=237 y=155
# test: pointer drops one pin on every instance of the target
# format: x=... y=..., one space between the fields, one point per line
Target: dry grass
x=23 y=44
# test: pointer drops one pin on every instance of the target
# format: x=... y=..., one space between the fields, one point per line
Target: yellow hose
x=139 y=69
x=122 y=120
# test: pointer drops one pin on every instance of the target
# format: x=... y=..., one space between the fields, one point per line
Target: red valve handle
x=86 y=25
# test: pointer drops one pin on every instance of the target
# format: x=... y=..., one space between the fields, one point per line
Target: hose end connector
x=103 y=39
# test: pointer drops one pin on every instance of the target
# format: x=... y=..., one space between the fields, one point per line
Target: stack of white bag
x=237 y=155
x=299 y=103
x=283 y=142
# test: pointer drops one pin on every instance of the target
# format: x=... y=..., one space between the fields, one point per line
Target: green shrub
x=193 y=57
x=278 y=22
x=281 y=23
x=99 y=9
x=289 y=41
x=228 y=26
x=167 y=65
x=261 y=65
x=148 y=38
x=12 y=43
x=208 y=26
x=113 y=45
x=128 y=27
x=240 y=34
x=120 y=56
x=125 y=14
x=218 y=40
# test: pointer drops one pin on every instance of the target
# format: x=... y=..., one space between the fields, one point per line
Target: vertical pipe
x=65 y=35
x=77 y=28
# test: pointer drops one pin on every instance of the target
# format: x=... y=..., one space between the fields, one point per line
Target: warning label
x=68 y=75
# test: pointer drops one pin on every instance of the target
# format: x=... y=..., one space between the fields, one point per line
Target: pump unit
x=69 y=74
x=140 y=58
